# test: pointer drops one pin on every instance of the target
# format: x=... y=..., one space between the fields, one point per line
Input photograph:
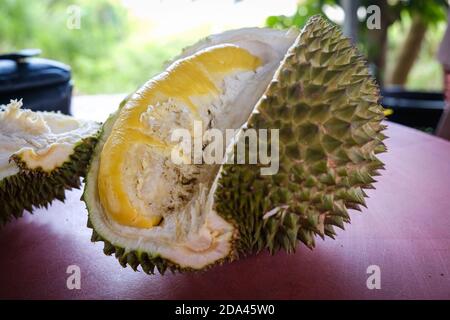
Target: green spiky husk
x=35 y=188
x=326 y=106
x=150 y=263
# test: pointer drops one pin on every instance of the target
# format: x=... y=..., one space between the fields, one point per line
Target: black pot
x=417 y=109
x=42 y=84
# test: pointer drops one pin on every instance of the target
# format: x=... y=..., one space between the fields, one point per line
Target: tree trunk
x=377 y=40
x=408 y=52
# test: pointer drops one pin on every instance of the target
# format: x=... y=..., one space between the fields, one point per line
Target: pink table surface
x=405 y=231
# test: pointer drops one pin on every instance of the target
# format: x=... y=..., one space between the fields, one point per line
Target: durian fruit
x=311 y=85
x=41 y=155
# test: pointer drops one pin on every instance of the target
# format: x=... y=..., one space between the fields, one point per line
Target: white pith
x=25 y=133
x=194 y=235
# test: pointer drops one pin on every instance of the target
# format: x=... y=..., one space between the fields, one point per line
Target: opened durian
x=41 y=155
x=311 y=89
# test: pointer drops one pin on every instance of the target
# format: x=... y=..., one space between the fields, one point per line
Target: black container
x=42 y=84
x=417 y=109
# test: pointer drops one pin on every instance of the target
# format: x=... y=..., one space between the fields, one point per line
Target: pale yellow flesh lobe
x=191 y=77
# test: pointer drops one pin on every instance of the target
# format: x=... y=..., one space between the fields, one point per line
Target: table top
x=405 y=231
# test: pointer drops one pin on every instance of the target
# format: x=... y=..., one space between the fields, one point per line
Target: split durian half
x=41 y=155
x=311 y=85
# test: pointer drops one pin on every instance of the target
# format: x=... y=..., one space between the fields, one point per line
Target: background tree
x=374 y=42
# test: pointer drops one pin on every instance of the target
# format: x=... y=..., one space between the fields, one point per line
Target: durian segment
x=221 y=93
x=41 y=155
x=326 y=106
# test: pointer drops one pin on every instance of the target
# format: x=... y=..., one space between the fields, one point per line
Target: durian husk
x=36 y=188
x=326 y=106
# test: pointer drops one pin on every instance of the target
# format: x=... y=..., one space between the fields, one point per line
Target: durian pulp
x=191 y=82
x=143 y=201
x=40 y=139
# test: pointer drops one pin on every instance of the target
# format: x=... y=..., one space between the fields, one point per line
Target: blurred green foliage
x=432 y=11
x=106 y=54
x=304 y=11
